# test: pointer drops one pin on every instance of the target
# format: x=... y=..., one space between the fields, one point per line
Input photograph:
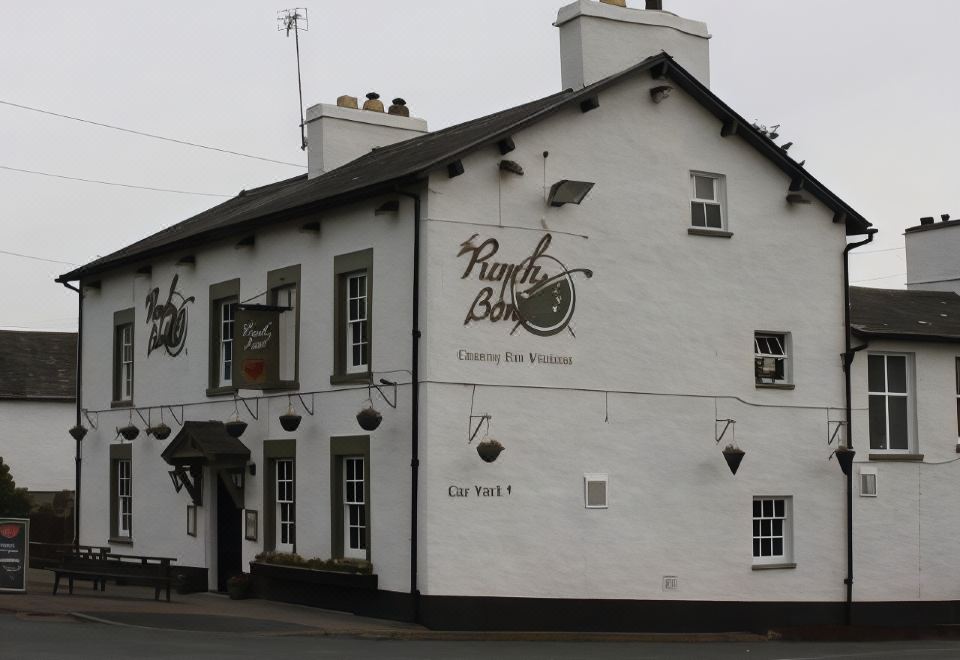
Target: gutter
x=415 y=407
x=848 y=355
x=78 y=456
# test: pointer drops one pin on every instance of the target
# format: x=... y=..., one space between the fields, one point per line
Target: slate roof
x=905 y=314
x=38 y=365
x=208 y=440
x=384 y=169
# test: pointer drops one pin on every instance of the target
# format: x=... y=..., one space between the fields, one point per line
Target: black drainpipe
x=848 y=355
x=415 y=407
x=76 y=498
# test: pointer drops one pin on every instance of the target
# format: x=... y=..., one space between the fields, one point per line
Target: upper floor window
x=771 y=358
x=223 y=314
x=891 y=405
x=123 y=362
x=707 y=202
x=352 y=314
x=284 y=292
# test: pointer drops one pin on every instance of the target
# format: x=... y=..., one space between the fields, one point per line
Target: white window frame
x=126 y=361
x=354 y=501
x=909 y=395
x=719 y=199
x=868 y=471
x=596 y=478
x=359 y=319
x=762 y=532
x=227 y=319
x=286 y=296
x=958 y=399
x=765 y=349
x=124 y=498
x=285 y=502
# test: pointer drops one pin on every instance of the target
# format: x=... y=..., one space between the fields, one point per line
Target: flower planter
x=369 y=419
x=78 y=432
x=845 y=458
x=238 y=591
x=290 y=422
x=130 y=432
x=733 y=456
x=161 y=431
x=236 y=428
x=489 y=450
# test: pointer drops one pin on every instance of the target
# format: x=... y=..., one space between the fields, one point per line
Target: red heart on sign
x=253 y=369
x=9 y=531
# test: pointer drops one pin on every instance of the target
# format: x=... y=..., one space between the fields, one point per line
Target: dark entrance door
x=229 y=526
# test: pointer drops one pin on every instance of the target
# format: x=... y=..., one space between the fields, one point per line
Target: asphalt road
x=59 y=637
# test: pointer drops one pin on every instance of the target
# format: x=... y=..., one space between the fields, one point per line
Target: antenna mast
x=295 y=20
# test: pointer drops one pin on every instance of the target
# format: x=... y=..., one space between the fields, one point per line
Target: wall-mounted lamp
x=568 y=192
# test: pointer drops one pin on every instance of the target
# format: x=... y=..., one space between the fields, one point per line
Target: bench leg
x=70 y=583
x=168 y=592
x=56 y=583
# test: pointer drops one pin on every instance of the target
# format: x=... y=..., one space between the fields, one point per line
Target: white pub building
x=574 y=319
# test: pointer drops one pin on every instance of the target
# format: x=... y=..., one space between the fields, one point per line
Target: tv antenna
x=294 y=20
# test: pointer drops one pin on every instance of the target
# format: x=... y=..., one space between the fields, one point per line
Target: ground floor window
x=286 y=525
x=350 y=496
x=772 y=530
x=280 y=495
x=121 y=493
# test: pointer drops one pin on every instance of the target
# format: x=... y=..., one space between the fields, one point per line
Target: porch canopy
x=200 y=444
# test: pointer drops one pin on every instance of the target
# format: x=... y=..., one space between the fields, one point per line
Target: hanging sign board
x=256 y=344
x=14 y=553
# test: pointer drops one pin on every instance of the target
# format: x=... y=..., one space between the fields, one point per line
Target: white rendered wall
x=932 y=261
x=598 y=40
x=36 y=444
x=906 y=536
x=159 y=514
x=666 y=313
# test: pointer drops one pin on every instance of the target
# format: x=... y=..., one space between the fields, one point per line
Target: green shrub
x=356 y=566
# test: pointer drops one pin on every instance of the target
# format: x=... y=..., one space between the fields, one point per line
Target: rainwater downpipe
x=848 y=355
x=415 y=406
x=78 y=456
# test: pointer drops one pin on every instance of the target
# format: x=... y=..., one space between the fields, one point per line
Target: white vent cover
x=671 y=583
x=595 y=491
x=868 y=482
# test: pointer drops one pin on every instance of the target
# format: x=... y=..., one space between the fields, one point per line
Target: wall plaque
x=257 y=347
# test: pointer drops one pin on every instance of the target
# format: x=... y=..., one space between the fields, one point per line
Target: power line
x=150 y=135
x=27 y=256
x=111 y=183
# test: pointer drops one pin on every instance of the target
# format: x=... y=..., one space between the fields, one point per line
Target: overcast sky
x=866 y=89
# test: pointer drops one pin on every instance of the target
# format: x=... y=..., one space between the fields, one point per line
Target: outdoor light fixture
x=568 y=192
x=78 y=432
x=660 y=92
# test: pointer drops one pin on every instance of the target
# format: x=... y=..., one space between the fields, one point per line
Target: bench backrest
x=131 y=565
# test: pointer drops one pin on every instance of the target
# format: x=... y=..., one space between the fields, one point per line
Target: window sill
x=121 y=404
x=120 y=540
x=221 y=391
x=770 y=567
x=907 y=458
x=775 y=386
x=703 y=231
x=346 y=379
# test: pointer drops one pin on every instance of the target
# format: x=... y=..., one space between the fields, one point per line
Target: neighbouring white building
x=614 y=282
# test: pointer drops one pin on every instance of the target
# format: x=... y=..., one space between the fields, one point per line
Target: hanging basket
x=733 y=456
x=369 y=419
x=290 y=421
x=78 y=432
x=236 y=427
x=161 y=431
x=130 y=432
x=845 y=458
x=489 y=450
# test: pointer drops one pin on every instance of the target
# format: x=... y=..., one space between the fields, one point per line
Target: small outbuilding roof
x=38 y=365
x=384 y=169
x=206 y=443
x=905 y=314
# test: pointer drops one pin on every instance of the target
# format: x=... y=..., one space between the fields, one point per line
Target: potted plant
x=129 y=431
x=290 y=420
x=845 y=458
x=236 y=427
x=368 y=417
x=733 y=455
x=238 y=586
x=489 y=449
x=161 y=431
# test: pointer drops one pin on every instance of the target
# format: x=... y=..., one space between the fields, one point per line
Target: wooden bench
x=49 y=555
x=124 y=569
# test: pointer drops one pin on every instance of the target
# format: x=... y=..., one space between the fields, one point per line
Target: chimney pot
x=347 y=101
x=373 y=103
x=617 y=3
x=399 y=107
x=926 y=221
x=655 y=4
x=945 y=217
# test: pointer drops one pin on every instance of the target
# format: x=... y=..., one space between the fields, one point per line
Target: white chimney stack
x=338 y=134
x=599 y=39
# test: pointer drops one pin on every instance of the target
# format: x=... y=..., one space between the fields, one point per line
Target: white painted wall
x=665 y=314
x=35 y=443
x=932 y=262
x=905 y=536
